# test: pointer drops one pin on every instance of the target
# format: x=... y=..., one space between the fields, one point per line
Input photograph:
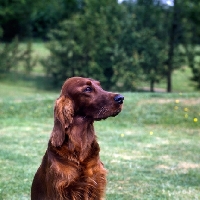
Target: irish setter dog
x=71 y=168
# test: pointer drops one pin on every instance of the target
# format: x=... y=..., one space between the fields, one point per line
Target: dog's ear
x=63 y=116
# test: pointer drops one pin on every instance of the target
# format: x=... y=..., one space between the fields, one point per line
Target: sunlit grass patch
x=150 y=149
x=151 y=167
x=164 y=109
x=21 y=143
x=134 y=159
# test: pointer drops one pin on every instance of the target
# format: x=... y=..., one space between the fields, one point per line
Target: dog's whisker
x=101 y=110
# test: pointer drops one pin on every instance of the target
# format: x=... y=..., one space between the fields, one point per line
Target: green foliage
x=120 y=44
x=156 y=49
x=88 y=45
x=27 y=18
x=153 y=56
x=29 y=61
x=49 y=14
x=11 y=55
x=190 y=39
x=1 y=31
x=15 y=17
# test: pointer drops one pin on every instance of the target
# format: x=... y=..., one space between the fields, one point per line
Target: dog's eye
x=88 y=89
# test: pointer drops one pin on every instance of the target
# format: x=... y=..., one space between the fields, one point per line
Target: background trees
x=152 y=37
x=191 y=37
x=27 y=18
x=90 y=44
x=118 y=43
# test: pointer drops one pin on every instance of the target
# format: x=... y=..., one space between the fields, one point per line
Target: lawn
x=151 y=149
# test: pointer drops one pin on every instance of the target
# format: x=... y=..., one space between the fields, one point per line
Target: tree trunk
x=169 y=78
x=172 y=41
x=151 y=86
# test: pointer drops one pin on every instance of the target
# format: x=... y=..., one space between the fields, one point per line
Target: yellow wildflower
x=177 y=101
x=176 y=107
x=195 y=119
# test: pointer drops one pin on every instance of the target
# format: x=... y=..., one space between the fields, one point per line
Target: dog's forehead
x=78 y=82
x=92 y=81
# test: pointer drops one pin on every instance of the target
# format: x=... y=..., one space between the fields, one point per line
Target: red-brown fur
x=71 y=168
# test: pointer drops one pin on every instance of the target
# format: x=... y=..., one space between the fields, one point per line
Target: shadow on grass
x=41 y=82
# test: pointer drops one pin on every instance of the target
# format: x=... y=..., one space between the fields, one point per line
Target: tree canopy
x=118 y=43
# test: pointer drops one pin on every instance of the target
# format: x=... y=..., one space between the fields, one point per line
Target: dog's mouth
x=116 y=113
x=105 y=113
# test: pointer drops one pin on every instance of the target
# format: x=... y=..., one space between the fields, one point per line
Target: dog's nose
x=119 y=99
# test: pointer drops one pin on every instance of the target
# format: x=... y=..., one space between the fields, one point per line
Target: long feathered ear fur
x=63 y=116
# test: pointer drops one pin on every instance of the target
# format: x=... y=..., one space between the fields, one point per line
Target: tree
x=11 y=55
x=27 y=18
x=15 y=17
x=89 y=44
x=150 y=38
x=190 y=40
x=152 y=57
x=172 y=43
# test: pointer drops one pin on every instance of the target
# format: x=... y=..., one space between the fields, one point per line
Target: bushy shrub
x=11 y=55
x=90 y=44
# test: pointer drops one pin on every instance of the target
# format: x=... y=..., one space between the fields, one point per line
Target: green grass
x=151 y=149
x=181 y=82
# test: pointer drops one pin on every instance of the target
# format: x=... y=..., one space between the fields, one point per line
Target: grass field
x=151 y=149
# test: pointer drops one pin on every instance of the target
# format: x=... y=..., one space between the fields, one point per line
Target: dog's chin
x=103 y=117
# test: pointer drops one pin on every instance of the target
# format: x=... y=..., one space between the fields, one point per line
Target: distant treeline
x=117 y=43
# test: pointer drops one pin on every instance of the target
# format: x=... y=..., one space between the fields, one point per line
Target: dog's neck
x=80 y=139
x=79 y=120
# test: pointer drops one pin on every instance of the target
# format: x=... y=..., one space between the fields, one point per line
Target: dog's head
x=82 y=97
